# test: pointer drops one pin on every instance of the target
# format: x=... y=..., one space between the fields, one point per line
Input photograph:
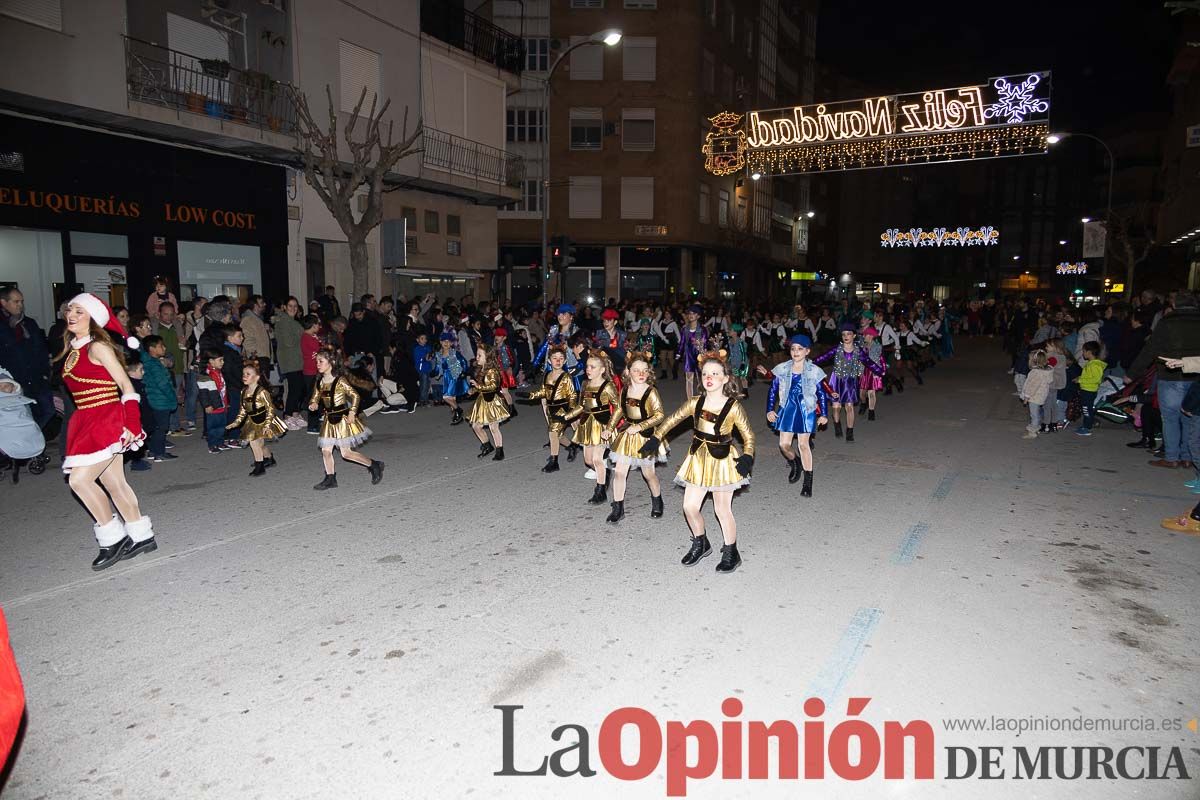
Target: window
x=637 y=129
x=641 y=3
x=47 y=13
x=767 y=48
x=740 y=221
x=762 y=208
x=587 y=3
x=537 y=55
x=637 y=198
x=723 y=208
x=409 y=215
x=586 y=125
x=708 y=73
x=431 y=222
x=531 y=198
x=453 y=225
x=524 y=125
x=453 y=247
x=638 y=58
x=584 y=202
x=705 y=202
x=359 y=68
x=587 y=63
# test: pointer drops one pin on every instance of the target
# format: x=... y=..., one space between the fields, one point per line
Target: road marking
x=833 y=676
x=906 y=553
x=155 y=562
x=942 y=490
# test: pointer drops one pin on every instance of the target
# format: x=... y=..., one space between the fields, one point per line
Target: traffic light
x=568 y=253
x=556 y=252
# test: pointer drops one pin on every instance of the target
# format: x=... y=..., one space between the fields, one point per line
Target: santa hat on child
x=103 y=316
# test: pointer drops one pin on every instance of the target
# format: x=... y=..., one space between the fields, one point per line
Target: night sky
x=1108 y=58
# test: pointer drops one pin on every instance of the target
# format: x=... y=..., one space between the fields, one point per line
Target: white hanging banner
x=1094 y=234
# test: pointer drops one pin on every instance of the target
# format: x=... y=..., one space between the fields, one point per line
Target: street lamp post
x=1055 y=138
x=609 y=38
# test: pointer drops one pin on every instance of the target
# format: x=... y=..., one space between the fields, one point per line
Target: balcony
x=163 y=77
x=472 y=34
x=483 y=173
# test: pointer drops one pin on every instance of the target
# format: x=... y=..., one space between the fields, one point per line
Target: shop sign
x=116 y=206
x=650 y=230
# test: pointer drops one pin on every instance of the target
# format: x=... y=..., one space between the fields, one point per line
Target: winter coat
x=1037 y=385
x=257 y=343
x=160 y=389
x=287 y=342
x=25 y=355
x=1177 y=335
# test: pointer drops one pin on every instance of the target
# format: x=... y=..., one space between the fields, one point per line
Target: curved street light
x=1055 y=138
x=609 y=38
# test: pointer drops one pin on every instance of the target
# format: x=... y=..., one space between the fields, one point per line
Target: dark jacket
x=233 y=368
x=26 y=357
x=1177 y=335
x=362 y=336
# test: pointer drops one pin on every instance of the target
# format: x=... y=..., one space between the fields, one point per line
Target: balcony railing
x=454 y=154
x=473 y=34
x=165 y=77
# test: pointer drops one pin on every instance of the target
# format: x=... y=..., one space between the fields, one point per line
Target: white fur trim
x=81 y=341
x=100 y=456
x=110 y=533
x=131 y=396
x=140 y=529
x=94 y=306
x=133 y=342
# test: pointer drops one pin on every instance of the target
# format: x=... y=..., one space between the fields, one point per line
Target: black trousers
x=297 y=397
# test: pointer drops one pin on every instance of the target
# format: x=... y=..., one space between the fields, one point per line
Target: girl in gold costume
x=713 y=463
x=257 y=419
x=489 y=408
x=596 y=402
x=340 y=427
x=640 y=410
x=558 y=397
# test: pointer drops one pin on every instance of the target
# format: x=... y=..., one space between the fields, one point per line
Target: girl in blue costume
x=450 y=364
x=796 y=404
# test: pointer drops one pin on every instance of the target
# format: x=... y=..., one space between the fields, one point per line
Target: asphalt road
x=285 y=643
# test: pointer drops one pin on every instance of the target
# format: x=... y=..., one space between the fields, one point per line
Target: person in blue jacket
x=796 y=405
x=559 y=333
x=450 y=364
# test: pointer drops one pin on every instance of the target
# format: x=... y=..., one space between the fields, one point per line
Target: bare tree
x=337 y=182
x=1132 y=234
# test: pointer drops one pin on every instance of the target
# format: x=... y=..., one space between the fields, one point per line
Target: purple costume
x=847 y=372
x=691 y=344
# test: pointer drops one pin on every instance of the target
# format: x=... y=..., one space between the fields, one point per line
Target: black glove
x=745 y=464
x=650 y=447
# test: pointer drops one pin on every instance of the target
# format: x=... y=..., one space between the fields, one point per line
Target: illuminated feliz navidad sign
x=1006 y=116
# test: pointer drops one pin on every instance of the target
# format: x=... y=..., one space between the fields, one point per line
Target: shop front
x=87 y=211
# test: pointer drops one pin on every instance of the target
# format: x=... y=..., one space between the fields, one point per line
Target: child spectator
x=232 y=372
x=159 y=396
x=1036 y=391
x=1089 y=384
x=310 y=343
x=213 y=399
x=137 y=458
x=423 y=359
x=1055 y=410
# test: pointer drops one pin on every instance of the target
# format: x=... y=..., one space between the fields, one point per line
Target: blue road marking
x=833 y=676
x=942 y=490
x=907 y=551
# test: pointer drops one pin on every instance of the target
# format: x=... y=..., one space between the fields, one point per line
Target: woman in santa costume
x=107 y=422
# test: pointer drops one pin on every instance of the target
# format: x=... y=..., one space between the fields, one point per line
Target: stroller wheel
x=37 y=465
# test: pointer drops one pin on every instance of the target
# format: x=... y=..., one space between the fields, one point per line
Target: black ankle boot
x=572 y=451
x=512 y=409
x=484 y=449
x=794 y=470
x=656 y=506
x=551 y=464
x=870 y=415
x=456 y=417
x=112 y=554
x=269 y=461
x=376 y=470
x=599 y=495
x=730 y=560
x=330 y=482
x=618 y=511
x=259 y=469
x=1145 y=441
x=837 y=430
x=699 y=549
x=499 y=456
x=862 y=409
x=806 y=490
x=849 y=434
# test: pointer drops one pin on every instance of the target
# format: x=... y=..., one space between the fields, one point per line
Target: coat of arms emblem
x=724 y=145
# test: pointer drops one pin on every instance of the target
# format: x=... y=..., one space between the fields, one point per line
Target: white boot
x=110 y=533
x=142 y=533
x=140 y=530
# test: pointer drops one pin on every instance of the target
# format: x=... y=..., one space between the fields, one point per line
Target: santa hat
x=500 y=332
x=102 y=315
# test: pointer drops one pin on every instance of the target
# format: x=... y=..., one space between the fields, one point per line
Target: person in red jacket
x=310 y=344
x=12 y=697
x=107 y=422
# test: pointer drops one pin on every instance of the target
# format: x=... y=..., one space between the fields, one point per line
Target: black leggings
x=297 y=399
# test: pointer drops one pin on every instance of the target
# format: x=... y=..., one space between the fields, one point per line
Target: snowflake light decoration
x=1016 y=100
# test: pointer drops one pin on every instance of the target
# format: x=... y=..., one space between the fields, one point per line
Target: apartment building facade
x=626 y=179
x=162 y=142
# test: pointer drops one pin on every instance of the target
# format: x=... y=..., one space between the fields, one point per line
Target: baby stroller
x=22 y=442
